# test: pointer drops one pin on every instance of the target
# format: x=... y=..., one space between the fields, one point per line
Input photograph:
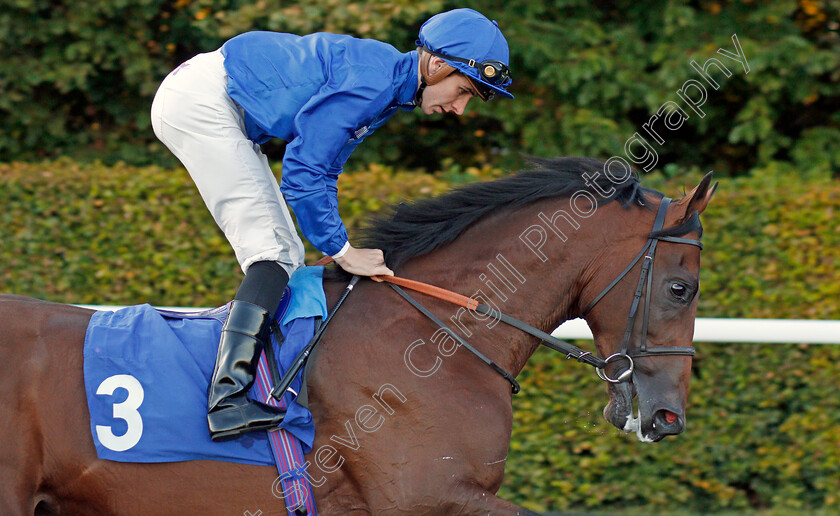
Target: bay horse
x=407 y=421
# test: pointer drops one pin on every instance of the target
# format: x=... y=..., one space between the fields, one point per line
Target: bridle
x=646 y=279
x=571 y=351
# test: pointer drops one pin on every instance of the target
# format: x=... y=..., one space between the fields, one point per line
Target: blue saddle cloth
x=147 y=373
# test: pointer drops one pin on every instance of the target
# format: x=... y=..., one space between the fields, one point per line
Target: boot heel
x=231 y=422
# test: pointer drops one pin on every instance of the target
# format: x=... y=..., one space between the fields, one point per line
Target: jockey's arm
x=311 y=166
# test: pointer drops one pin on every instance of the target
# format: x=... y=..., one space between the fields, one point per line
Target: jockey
x=323 y=94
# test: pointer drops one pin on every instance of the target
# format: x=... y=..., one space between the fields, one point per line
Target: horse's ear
x=699 y=198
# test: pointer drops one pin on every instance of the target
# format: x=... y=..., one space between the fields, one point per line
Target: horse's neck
x=493 y=265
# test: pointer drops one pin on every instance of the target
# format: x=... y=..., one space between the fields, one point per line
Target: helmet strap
x=418 y=97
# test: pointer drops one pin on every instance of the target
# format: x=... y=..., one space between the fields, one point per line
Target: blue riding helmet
x=473 y=45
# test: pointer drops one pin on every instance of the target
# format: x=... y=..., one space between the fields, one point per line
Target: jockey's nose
x=460 y=105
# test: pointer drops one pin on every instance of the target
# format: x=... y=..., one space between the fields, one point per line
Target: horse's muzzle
x=651 y=425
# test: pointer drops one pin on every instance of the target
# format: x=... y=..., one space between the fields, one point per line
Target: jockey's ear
x=435 y=64
x=433 y=69
x=699 y=198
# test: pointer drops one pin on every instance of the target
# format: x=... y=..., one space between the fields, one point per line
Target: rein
x=570 y=350
x=551 y=342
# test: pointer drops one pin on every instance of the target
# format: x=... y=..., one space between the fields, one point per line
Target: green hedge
x=763 y=430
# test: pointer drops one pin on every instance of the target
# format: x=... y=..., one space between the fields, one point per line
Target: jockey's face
x=450 y=95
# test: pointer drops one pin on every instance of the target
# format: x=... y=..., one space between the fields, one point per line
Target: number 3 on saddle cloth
x=146 y=378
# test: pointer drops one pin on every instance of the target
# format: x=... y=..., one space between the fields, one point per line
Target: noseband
x=645 y=278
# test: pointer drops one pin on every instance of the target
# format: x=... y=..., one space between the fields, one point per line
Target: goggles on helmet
x=492 y=71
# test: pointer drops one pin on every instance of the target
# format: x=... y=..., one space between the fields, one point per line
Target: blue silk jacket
x=323 y=94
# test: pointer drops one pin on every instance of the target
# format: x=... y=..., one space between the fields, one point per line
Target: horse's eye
x=678 y=290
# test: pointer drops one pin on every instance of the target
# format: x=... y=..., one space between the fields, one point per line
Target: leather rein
x=551 y=342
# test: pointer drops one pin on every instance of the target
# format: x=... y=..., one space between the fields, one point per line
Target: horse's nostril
x=667 y=422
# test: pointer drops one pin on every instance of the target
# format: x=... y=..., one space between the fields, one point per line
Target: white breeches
x=195 y=118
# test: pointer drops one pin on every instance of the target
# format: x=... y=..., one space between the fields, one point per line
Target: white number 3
x=126 y=410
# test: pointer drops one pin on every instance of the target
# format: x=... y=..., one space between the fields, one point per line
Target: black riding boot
x=245 y=332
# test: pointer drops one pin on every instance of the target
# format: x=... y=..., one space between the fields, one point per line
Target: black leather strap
x=664 y=350
x=507 y=376
x=679 y=240
x=549 y=341
x=616 y=280
x=270 y=356
x=646 y=282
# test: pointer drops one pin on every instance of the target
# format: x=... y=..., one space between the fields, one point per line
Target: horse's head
x=642 y=315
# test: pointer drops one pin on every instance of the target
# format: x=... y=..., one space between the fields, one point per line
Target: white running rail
x=772 y=331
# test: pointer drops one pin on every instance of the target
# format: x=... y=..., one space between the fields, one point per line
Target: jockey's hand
x=364 y=262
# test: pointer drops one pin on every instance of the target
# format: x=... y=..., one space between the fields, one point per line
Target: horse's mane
x=412 y=229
